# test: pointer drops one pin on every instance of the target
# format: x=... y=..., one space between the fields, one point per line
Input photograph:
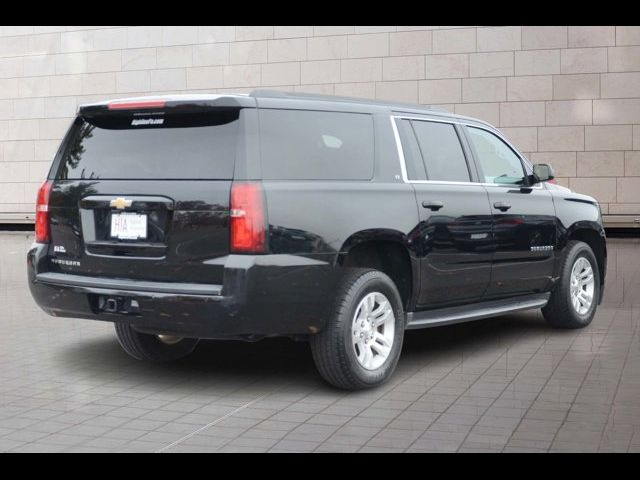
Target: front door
x=524 y=221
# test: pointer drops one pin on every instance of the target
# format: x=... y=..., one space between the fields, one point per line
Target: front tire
x=154 y=348
x=574 y=301
x=361 y=343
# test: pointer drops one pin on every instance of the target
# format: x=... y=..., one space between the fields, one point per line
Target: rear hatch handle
x=133 y=202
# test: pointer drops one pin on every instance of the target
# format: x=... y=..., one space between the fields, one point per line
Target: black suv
x=339 y=221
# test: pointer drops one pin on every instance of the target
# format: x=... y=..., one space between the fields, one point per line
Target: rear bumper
x=262 y=295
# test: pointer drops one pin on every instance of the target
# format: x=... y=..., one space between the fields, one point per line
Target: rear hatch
x=141 y=192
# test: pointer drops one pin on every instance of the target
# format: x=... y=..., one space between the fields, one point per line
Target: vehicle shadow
x=278 y=360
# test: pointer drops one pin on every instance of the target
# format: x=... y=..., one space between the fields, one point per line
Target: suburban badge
x=542 y=248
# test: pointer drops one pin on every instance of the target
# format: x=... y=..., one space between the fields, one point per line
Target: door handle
x=502 y=206
x=433 y=205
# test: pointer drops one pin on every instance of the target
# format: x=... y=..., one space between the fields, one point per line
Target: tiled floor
x=504 y=384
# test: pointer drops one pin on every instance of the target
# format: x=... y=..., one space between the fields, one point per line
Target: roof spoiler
x=150 y=104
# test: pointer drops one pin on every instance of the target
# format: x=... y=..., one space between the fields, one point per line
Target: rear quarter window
x=316 y=145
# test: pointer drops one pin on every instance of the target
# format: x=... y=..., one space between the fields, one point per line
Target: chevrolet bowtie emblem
x=120 y=203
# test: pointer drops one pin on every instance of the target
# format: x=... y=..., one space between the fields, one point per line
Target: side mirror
x=543 y=172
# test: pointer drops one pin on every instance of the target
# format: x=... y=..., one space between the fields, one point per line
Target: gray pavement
x=504 y=384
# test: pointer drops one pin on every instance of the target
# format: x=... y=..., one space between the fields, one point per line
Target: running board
x=474 y=311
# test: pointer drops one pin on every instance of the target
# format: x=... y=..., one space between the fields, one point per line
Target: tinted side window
x=313 y=145
x=412 y=156
x=441 y=150
x=498 y=162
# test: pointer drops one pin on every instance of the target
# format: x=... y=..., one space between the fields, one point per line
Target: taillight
x=43 y=231
x=248 y=218
x=553 y=180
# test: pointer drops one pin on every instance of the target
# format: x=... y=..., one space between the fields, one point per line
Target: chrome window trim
x=396 y=136
x=403 y=167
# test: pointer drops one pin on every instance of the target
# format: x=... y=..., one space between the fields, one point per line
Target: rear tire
x=361 y=343
x=569 y=305
x=154 y=348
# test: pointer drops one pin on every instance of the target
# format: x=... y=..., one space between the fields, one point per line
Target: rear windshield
x=316 y=145
x=152 y=146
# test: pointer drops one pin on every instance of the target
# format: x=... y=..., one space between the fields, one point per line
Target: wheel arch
x=386 y=250
x=593 y=234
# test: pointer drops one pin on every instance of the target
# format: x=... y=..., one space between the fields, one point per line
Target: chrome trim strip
x=99 y=283
x=403 y=167
x=396 y=135
x=482 y=126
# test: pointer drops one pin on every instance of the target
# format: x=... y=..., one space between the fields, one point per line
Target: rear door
x=524 y=220
x=453 y=237
x=144 y=195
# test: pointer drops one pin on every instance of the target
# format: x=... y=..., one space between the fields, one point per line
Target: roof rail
x=266 y=93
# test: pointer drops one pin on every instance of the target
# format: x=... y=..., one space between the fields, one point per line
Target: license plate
x=128 y=226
